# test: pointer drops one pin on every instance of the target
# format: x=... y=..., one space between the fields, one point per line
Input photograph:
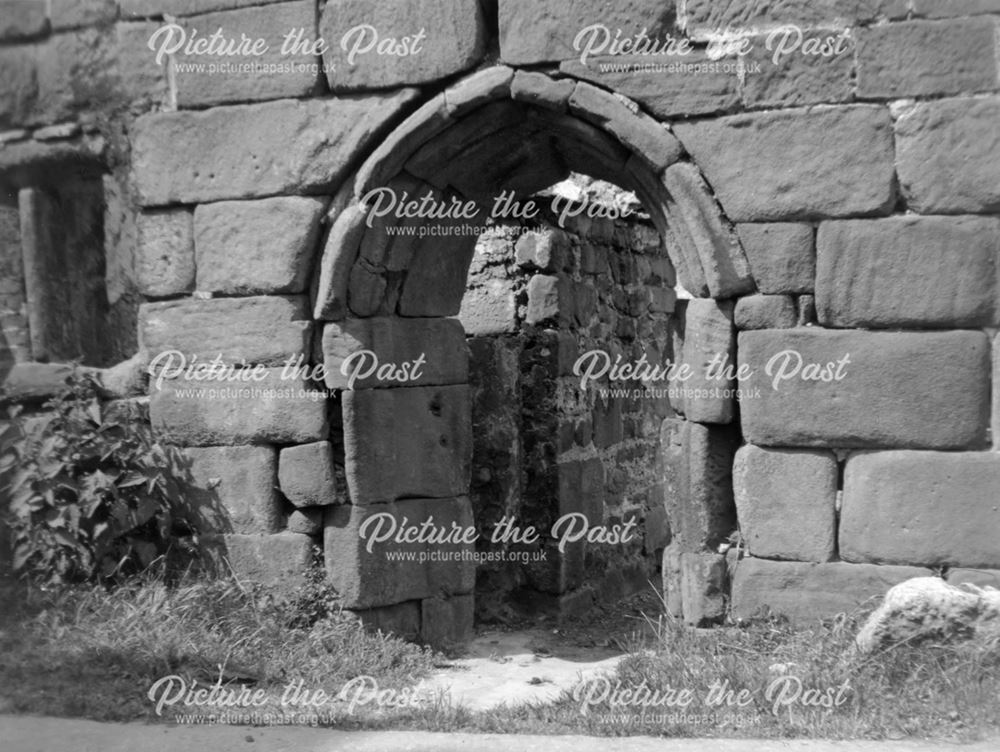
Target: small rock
x=928 y=607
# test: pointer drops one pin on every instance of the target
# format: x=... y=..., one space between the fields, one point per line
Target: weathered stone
x=140 y=77
x=489 y=309
x=219 y=166
x=704 y=19
x=546 y=251
x=164 y=252
x=23 y=18
x=935 y=9
x=339 y=254
x=930 y=608
x=726 y=270
x=796 y=164
x=71 y=14
x=264 y=329
x=76 y=72
x=930 y=508
x=703 y=588
x=776 y=80
x=35 y=382
x=786 y=502
x=540 y=90
x=543 y=298
x=432 y=351
x=781 y=256
x=675 y=85
x=696 y=464
x=901 y=272
x=765 y=312
x=649 y=140
x=272 y=410
x=265 y=246
x=123 y=380
x=907 y=389
x=305 y=475
x=672 y=595
x=432 y=458
x=233 y=488
x=709 y=343
x=536 y=32
x=807 y=310
x=921 y=58
x=387 y=161
x=366 y=288
x=308 y=521
x=441 y=37
x=478 y=89
x=280 y=560
x=365 y=578
x=977 y=577
x=446 y=622
x=948 y=156
x=400 y=619
x=436 y=277
x=275 y=74
x=808 y=592
x=995 y=421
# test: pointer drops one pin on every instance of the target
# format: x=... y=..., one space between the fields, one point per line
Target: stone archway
x=384 y=289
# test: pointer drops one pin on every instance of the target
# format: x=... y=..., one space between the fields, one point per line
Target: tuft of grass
x=93 y=652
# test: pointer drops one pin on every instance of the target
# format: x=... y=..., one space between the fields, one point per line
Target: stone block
x=340 y=250
x=436 y=278
x=797 y=164
x=669 y=87
x=786 y=502
x=543 y=298
x=274 y=75
x=929 y=508
x=900 y=272
x=432 y=458
x=140 y=78
x=649 y=140
x=446 y=622
x=35 y=382
x=709 y=343
x=251 y=247
x=418 y=570
x=672 y=595
x=306 y=521
x=948 y=156
x=489 y=309
x=995 y=420
x=148 y=8
x=370 y=353
x=437 y=38
x=265 y=329
x=306 y=476
x=536 y=32
x=400 y=619
x=702 y=19
x=807 y=592
x=723 y=263
x=164 y=253
x=924 y=58
x=72 y=14
x=704 y=588
x=865 y=389
x=540 y=90
x=233 y=487
x=278 y=561
x=781 y=256
x=272 y=410
x=696 y=463
x=23 y=19
x=218 y=165
x=765 y=312
x=797 y=79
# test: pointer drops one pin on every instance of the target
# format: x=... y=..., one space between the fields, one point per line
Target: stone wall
x=840 y=200
x=543 y=445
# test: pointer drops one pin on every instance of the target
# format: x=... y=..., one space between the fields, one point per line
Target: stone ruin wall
x=836 y=206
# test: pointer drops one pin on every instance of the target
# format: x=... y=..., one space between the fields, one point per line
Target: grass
x=95 y=653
